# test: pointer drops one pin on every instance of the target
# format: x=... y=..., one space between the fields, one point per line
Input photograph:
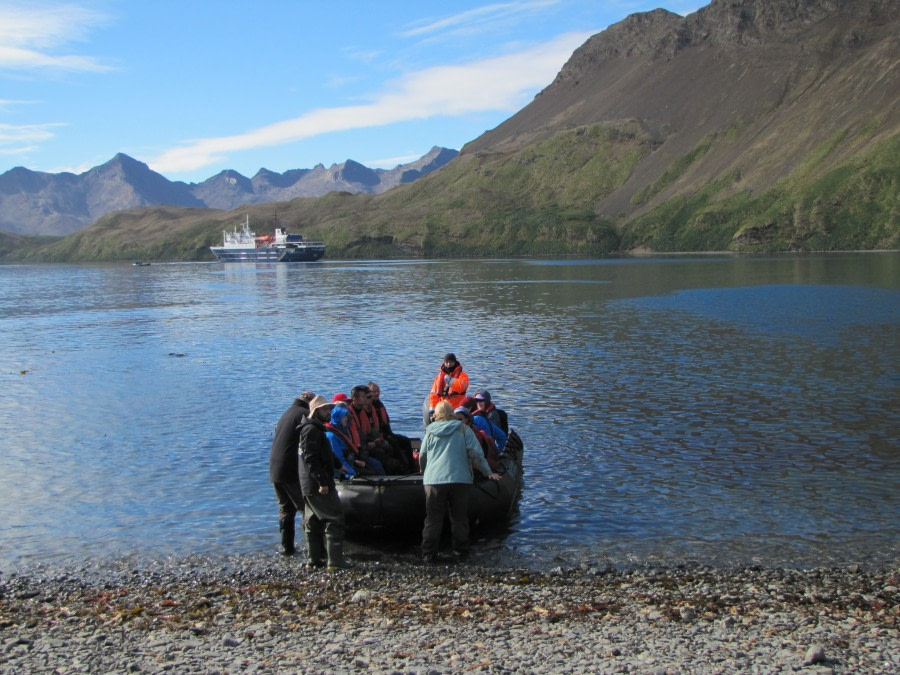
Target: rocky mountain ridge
x=750 y=125
x=38 y=203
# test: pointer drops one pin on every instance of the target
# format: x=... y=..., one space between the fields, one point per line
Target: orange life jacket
x=364 y=427
x=455 y=393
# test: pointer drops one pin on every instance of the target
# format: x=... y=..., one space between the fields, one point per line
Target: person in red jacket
x=449 y=385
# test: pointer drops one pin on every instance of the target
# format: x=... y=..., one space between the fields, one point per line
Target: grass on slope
x=851 y=206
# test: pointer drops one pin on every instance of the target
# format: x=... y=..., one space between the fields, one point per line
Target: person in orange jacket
x=450 y=384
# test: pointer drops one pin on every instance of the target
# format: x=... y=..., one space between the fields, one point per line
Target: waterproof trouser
x=315 y=551
x=323 y=524
x=290 y=500
x=439 y=500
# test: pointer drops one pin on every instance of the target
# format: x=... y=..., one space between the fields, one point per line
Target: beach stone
x=815 y=654
x=361 y=596
x=687 y=614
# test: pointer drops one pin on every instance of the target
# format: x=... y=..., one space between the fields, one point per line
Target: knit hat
x=469 y=403
x=340 y=396
x=483 y=395
x=465 y=411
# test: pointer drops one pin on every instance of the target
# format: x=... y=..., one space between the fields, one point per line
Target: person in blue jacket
x=492 y=430
x=448 y=453
x=338 y=433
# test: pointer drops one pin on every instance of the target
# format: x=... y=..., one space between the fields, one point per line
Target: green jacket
x=448 y=452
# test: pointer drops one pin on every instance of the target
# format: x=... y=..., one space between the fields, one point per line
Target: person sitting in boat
x=365 y=432
x=485 y=422
x=450 y=384
x=486 y=407
x=400 y=444
x=490 y=430
x=488 y=446
x=348 y=463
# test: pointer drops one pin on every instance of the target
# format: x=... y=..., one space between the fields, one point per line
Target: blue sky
x=193 y=87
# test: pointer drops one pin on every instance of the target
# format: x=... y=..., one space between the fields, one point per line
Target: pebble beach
x=273 y=615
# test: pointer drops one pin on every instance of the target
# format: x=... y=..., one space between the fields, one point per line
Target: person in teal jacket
x=448 y=453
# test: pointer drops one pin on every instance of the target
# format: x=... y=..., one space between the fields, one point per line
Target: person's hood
x=338 y=415
x=444 y=427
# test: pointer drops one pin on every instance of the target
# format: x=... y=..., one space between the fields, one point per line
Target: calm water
x=717 y=409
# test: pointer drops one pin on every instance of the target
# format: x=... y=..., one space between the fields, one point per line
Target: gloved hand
x=447 y=380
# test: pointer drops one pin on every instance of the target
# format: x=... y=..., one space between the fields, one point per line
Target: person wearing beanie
x=449 y=384
x=487 y=418
x=323 y=514
x=284 y=470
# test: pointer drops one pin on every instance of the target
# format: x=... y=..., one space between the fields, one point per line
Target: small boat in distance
x=245 y=246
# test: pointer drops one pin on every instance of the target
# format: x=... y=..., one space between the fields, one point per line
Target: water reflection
x=713 y=408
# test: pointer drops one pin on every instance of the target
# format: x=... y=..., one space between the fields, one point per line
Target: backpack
x=504 y=420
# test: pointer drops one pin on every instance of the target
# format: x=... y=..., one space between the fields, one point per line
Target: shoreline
x=271 y=614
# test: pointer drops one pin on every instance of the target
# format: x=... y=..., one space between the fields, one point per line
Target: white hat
x=319 y=402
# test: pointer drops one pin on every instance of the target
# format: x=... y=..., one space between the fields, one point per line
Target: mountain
x=36 y=203
x=39 y=203
x=229 y=190
x=753 y=107
x=749 y=125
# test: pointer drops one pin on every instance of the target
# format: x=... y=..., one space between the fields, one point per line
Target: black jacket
x=316 y=458
x=283 y=465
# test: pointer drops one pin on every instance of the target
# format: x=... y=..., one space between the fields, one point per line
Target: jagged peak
x=121 y=159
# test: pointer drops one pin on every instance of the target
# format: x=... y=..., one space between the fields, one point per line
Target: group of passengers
x=364 y=444
x=317 y=441
x=361 y=437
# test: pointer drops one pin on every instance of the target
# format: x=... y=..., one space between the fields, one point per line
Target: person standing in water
x=284 y=469
x=448 y=453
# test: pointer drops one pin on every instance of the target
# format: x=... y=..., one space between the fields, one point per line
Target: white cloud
x=480 y=16
x=501 y=83
x=26 y=133
x=391 y=162
x=21 y=139
x=29 y=36
x=24 y=150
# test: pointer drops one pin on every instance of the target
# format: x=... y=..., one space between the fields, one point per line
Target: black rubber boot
x=315 y=551
x=286 y=525
x=336 y=559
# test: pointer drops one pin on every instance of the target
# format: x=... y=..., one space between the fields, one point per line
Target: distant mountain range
x=749 y=125
x=38 y=203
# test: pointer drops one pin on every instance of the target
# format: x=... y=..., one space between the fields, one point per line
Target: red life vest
x=381 y=414
x=489 y=447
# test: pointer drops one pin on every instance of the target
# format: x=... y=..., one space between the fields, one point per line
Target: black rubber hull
x=397 y=503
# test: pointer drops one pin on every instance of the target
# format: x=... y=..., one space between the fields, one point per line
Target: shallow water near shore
x=726 y=410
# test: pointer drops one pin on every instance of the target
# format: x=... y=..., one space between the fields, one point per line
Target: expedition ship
x=245 y=246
